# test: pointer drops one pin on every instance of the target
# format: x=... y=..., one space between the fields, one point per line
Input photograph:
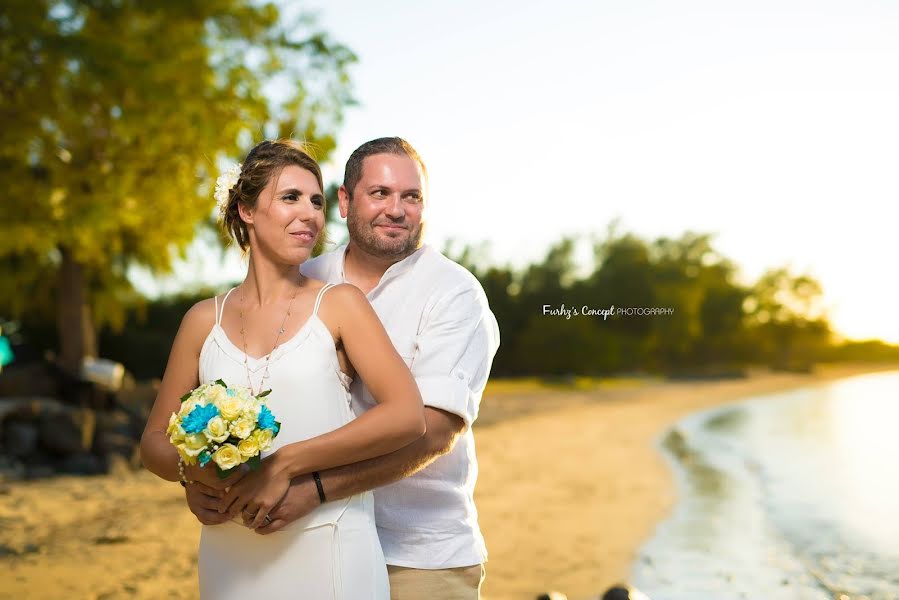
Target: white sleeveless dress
x=334 y=551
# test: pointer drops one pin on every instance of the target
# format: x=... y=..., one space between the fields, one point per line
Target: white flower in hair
x=226 y=181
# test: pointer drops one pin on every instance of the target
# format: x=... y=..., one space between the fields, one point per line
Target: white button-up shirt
x=437 y=316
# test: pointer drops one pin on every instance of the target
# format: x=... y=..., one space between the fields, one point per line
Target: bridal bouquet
x=226 y=425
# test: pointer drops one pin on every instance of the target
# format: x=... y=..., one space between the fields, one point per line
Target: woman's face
x=289 y=216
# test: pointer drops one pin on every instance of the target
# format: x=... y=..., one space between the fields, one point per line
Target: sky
x=773 y=125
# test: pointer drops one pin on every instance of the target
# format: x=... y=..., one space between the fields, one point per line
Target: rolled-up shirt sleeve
x=454 y=352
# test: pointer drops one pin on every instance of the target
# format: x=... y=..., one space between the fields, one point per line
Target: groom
x=437 y=316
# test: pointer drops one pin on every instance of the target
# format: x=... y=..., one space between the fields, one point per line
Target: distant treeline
x=685 y=313
x=667 y=306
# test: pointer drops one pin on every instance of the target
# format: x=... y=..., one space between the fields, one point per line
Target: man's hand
x=257 y=493
x=301 y=498
x=204 y=502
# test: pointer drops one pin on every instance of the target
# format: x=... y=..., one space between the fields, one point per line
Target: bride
x=304 y=340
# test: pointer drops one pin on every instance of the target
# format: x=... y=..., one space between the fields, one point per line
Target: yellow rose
x=216 y=394
x=194 y=443
x=242 y=428
x=227 y=456
x=254 y=407
x=187 y=458
x=216 y=429
x=175 y=431
x=248 y=447
x=263 y=438
x=187 y=406
x=229 y=406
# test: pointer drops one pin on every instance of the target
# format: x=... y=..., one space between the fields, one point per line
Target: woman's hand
x=208 y=475
x=257 y=493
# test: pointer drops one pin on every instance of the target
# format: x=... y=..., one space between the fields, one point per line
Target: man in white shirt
x=437 y=315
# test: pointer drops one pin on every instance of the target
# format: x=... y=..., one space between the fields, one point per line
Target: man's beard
x=364 y=236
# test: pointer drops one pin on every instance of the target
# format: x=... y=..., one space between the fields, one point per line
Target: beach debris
x=616 y=592
x=624 y=592
x=111 y=539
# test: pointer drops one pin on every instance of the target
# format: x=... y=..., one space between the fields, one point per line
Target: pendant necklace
x=267 y=356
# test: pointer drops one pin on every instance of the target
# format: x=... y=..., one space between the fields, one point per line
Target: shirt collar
x=394 y=270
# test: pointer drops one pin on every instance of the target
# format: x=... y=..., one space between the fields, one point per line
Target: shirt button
x=460 y=375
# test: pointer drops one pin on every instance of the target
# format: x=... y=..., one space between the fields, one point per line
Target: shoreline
x=571 y=485
x=568 y=497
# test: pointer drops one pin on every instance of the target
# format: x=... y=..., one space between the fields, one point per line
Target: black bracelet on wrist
x=318 y=485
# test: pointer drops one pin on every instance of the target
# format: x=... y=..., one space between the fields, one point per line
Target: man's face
x=384 y=215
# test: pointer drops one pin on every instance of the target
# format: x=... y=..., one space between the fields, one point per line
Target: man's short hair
x=386 y=145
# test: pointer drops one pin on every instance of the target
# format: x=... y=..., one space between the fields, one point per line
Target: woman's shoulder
x=200 y=318
x=345 y=295
x=343 y=304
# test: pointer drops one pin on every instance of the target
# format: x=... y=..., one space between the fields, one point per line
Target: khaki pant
x=462 y=583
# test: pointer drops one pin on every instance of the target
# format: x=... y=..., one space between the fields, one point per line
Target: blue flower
x=205 y=457
x=196 y=420
x=231 y=393
x=267 y=420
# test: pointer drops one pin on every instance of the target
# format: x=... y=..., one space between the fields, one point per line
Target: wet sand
x=570 y=486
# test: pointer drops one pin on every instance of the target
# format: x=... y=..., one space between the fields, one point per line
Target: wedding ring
x=268 y=519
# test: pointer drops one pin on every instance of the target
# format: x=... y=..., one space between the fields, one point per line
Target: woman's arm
x=398 y=418
x=181 y=376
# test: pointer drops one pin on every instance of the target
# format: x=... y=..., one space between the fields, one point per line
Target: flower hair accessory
x=226 y=181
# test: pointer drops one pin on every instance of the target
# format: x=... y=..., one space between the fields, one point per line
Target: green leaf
x=263 y=394
x=185 y=396
x=255 y=462
x=221 y=383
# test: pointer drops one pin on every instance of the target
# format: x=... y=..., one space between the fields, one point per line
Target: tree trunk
x=77 y=337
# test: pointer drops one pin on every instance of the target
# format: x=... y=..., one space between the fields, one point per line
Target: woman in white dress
x=304 y=340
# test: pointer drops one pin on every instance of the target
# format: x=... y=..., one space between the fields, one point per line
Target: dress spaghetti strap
x=219 y=314
x=318 y=299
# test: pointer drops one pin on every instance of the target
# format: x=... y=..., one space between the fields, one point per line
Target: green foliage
x=717 y=324
x=115 y=115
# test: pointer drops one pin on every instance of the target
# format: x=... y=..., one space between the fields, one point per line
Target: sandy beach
x=570 y=485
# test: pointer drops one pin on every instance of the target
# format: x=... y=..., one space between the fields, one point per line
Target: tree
x=787 y=317
x=115 y=114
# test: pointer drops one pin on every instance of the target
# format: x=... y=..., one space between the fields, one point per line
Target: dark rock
x=114 y=420
x=27 y=407
x=83 y=464
x=39 y=471
x=33 y=379
x=111 y=442
x=11 y=469
x=68 y=431
x=138 y=400
x=20 y=437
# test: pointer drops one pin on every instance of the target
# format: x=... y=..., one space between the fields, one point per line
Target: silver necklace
x=268 y=356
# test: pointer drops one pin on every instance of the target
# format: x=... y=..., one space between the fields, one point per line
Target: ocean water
x=787 y=496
